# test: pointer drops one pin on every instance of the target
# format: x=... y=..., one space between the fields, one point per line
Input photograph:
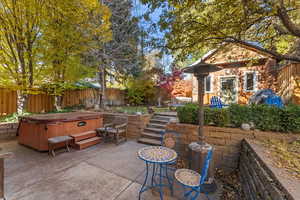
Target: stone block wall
x=136 y=123
x=8 y=130
x=226 y=141
x=259 y=179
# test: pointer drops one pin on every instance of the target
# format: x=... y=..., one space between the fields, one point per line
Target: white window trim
x=211 y=84
x=237 y=84
x=254 y=81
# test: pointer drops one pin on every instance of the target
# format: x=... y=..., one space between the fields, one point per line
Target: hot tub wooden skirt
x=35 y=130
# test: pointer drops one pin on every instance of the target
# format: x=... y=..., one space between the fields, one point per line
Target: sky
x=138 y=10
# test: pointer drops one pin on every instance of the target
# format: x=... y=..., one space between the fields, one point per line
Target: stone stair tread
x=153 y=135
x=158 y=120
x=160 y=117
x=154 y=129
x=155 y=124
x=149 y=141
x=166 y=114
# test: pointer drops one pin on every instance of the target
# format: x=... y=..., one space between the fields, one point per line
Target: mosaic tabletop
x=188 y=177
x=157 y=154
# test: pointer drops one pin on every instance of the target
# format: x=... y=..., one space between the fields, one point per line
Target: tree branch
x=287 y=22
x=276 y=55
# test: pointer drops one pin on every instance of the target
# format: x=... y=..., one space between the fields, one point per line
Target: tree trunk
x=159 y=98
x=22 y=99
x=97 y=94
x=58 y=102
x=102 y=81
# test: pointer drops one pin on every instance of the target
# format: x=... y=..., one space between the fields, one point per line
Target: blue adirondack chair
x=192 y=189
x=274 y=101
x=215 y=102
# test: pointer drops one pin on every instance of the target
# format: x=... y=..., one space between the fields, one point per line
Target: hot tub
x=35 y=130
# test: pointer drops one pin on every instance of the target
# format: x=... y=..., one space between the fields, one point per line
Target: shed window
x=249 y=81
x=208 y=84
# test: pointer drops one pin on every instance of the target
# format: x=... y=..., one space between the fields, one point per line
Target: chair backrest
x=216 y=102
x=205 y=167
x=120 y=120
x=274 y=101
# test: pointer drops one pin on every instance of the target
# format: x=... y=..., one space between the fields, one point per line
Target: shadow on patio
x=104 y=171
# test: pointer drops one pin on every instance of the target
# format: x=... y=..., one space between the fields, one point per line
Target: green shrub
x=264 y=117
x=238 y=114
x=188 y=114
x=291 y=119
x=140 y=91
x=217 y=117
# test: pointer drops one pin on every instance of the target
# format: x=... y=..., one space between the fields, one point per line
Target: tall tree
x=41 y=42
x=20 y=25
x=273 y=25
x=119 y=57
x=69 y=33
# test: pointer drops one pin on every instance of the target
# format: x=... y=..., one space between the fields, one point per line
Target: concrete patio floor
x=101 y=172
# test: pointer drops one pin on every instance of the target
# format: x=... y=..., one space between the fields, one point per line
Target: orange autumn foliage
x=182 y=88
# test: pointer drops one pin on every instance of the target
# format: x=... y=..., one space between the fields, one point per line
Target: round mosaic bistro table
x=157 y=159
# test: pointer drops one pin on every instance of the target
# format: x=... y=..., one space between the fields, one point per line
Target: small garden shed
x=244 y=71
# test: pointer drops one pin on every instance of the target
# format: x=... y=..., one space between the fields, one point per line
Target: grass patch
x=13 y=117
x=137 y=109
x=286 y=155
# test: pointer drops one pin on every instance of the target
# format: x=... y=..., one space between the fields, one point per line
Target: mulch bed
x=232 y=189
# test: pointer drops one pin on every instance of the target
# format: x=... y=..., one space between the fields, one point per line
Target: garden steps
x=85 y=139
x=153 y=142
x=166 y=114
x=152 y=135
x=162 y=118
x=158 y=121
x=87 y=142
x=153 y=132
x=154 y=125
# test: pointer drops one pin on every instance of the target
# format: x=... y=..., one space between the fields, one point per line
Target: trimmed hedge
x=264 y=117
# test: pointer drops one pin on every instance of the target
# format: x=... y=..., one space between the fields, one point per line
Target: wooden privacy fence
x=288 y=82
x=43 y=102
x=8 y=101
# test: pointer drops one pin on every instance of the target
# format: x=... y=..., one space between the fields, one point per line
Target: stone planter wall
x=261 y=180
x=8 y=130
x=136 y=123
x=226 y=141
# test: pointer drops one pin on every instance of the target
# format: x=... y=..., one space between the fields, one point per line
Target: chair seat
x=100 y=129
x=59 y=139
x=113 y=130
x=188 y=177
x=110 y=130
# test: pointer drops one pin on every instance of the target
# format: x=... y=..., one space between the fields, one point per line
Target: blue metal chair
x=215 y=102
x=274 y=101
x=192 y=180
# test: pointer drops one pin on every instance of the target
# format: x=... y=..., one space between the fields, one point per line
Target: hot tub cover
x=70 y=116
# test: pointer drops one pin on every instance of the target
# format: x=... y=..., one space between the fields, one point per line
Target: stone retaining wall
x=261 y=180
x=226 y=141
x=8 y=130
x=136 y=123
